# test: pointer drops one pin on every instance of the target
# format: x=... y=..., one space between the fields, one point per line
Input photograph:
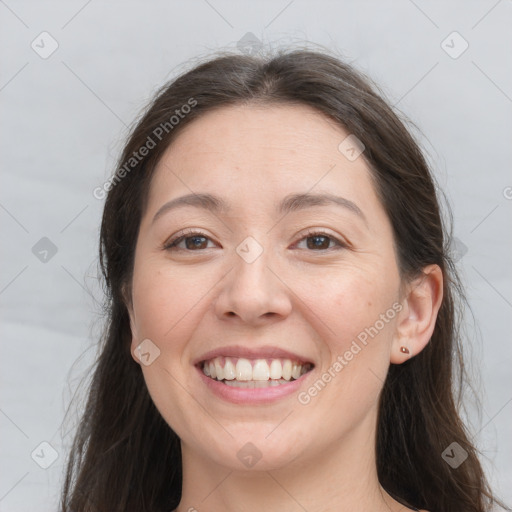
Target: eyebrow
x=291 y=203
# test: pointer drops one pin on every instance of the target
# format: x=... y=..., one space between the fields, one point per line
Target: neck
x=341 y=478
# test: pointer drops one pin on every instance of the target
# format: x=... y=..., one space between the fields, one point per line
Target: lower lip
x=251 y=395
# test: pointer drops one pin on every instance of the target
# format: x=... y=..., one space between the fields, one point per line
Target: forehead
x=249 y=134
x=260 y=153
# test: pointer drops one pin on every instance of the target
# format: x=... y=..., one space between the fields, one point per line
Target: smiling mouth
x=254 y=373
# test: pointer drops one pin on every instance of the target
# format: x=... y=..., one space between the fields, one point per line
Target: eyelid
x=341 y=242
x=187 y=232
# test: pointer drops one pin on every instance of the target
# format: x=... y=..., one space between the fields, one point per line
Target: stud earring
x=404 y=350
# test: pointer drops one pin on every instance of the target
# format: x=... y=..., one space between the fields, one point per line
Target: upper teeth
x=241 y=369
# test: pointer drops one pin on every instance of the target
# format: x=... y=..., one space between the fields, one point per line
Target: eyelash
x=173 y=242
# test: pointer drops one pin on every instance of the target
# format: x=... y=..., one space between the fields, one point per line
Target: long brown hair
x=125 y=457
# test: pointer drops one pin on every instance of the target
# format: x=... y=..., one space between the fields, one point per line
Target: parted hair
x=125 y=457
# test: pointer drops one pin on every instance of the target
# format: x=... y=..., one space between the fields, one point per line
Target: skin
x=319 y=456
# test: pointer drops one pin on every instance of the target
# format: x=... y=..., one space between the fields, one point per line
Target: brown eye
x=318 y=242
x=321 y=242
x=188 y=242
x=195 y=242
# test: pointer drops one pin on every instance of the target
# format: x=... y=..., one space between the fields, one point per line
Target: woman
x=282 y=328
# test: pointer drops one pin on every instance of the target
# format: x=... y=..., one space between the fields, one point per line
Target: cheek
x=355 y=316
x=346 y=302
x=164 y=299
x=166 y=304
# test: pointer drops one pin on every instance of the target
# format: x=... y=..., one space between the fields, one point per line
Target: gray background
x=64 y=120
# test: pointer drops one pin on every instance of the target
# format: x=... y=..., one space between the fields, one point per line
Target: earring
x=404 y=350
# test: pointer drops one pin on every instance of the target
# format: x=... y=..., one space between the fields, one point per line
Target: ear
x=416 y=322
x=129 y=306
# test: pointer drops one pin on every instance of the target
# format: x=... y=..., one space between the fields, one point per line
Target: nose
x=253 y=292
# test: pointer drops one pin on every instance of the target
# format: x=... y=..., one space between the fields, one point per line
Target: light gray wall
x=64 y=119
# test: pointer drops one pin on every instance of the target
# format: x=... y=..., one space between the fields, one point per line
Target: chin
x=251 y=452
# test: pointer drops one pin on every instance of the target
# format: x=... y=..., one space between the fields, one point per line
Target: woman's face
x=267 y=281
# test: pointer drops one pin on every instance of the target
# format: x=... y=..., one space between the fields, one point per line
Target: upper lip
x=251 y=353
